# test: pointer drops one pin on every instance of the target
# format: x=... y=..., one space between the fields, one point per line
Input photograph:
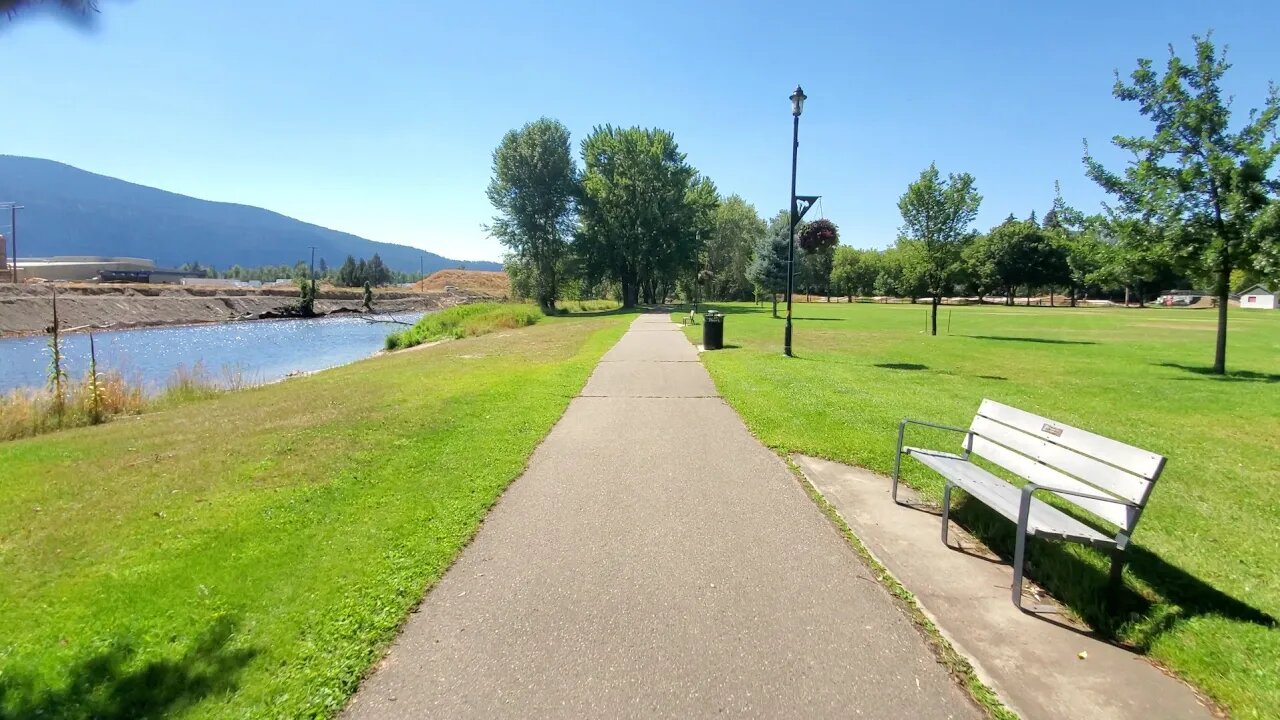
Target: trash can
x=712 y=330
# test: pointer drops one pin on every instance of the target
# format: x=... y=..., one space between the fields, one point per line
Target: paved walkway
x=656 y=560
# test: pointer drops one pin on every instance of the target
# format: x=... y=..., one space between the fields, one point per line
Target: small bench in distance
x=1107 y=478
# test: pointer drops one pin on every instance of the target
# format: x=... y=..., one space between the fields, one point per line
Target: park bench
x=1104 y=477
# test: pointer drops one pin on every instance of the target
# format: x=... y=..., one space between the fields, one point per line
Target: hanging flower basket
x=818 y=235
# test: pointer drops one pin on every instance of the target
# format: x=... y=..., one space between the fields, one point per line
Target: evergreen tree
x=768 y=269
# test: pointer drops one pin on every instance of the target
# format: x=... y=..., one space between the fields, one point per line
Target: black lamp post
x=797 y=107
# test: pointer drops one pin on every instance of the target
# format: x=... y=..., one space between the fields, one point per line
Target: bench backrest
x=1049 y=453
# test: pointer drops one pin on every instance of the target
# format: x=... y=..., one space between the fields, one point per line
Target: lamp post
x=797 y=106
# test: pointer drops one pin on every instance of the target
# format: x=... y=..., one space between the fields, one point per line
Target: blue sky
x=379 y=118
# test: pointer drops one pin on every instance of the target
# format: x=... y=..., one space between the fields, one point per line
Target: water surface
x=254 y=352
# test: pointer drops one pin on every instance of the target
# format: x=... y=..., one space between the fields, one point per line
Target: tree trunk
x=1224 y=290
x=1142 y=298
x=1050 y=296
x=1073 y=295
x=1126 y=296
x=629 y=294
x=774 y=296
x=933 y=316
x=1008 y=298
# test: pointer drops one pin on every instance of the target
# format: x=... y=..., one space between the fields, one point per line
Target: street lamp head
x=797 y=101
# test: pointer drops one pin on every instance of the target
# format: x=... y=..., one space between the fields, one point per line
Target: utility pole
x=13 y=233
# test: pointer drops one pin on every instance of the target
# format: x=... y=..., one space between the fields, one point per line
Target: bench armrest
x=1031 y=488
x=902 y=428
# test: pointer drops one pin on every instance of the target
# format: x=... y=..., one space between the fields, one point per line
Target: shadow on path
x=1079 y=579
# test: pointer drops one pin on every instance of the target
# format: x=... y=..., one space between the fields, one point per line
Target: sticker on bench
x=1054 y=431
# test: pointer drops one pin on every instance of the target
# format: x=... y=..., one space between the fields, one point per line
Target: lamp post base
x=786 y=343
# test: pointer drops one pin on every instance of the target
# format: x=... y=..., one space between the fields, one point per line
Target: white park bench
x=1107 y=478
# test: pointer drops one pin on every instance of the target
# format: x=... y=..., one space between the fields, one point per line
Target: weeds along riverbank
x=98 y=397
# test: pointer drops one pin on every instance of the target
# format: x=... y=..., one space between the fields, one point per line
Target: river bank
x=27 y=309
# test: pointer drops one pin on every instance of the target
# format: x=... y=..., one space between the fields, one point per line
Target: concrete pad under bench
x=1031 y=661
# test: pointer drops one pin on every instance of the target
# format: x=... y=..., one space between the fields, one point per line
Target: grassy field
x=1203 y=584
x=251 y=554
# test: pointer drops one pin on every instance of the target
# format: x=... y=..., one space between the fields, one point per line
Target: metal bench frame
x=1150 y=464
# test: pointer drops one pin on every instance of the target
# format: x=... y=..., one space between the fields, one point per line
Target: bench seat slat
x=1044 y=520
x=1132 y=459
x=1109 y=478
x=1032 y=471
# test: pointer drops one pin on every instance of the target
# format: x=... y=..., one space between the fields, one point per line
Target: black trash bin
x=712 y=330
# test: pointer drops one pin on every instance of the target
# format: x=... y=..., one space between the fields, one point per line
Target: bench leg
x=946 y=512
x=897 y=462
x=1019 y=560
x=1116 y=581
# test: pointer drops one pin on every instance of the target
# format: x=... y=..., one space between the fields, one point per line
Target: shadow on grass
x=1078 y=577
x=110 y=685
x=902 y=366
x=1046 y=341
x=1230 y=376
x=730 y=310
x=809 y=319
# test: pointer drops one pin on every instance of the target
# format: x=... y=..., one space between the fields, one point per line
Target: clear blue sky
x=379 y=118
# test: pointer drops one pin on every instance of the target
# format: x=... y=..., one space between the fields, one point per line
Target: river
x=241 y=353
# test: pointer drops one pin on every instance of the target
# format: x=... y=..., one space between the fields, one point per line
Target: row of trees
x=352 y=273
x=1196 y=206
x=633 y=217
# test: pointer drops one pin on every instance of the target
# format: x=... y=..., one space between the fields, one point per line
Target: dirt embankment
x=28 y=309
x=483 y=282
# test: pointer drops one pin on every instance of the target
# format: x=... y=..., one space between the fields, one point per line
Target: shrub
x=584 y=306
x=464 y=321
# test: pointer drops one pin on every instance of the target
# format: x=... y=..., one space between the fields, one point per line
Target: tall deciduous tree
x=1207 y=187
x=853 y=271
x=738 y=228
x=642 y=210
x=535 y=181
x=936 y=215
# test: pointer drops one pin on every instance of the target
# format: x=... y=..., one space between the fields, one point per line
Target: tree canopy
x=643 y=210
x=533 y=188
x=1206 y=188
x=936 y=219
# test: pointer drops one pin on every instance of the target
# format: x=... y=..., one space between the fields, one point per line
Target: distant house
x=1259 y=298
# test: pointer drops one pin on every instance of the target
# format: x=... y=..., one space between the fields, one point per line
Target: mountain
x=68 y=211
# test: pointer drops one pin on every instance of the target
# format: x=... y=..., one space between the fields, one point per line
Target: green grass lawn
x=1203 y=583
x=251 y=555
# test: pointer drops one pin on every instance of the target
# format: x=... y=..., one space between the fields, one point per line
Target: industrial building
x=82 y=268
